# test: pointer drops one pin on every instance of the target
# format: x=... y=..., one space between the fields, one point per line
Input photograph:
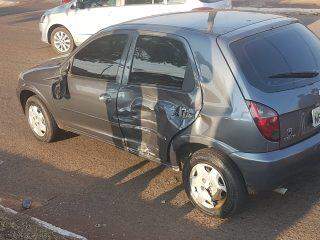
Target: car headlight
x=43 y=17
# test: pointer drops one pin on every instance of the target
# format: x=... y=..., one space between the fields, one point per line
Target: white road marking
x=57 y=229
x=46 y=225
x=8 y=210
x=280 y=10
x=1 y=162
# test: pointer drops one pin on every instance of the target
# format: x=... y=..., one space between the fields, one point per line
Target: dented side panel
x=224 y=121
x=151 y=115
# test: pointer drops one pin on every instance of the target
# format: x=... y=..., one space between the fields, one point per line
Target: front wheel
x=40 y=120
x=213 y=183
x=62 y=41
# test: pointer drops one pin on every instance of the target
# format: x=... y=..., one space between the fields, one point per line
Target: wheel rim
x=208 y=188
x=62 y=41
x=37 y=121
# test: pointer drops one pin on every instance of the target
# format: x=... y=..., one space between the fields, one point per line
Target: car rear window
x=281 y=59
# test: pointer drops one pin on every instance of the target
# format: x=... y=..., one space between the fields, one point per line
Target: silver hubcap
x=62 y=41
x=208 y=188
x=37 y=121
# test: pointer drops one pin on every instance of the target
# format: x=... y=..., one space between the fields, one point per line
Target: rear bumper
x=266 y=171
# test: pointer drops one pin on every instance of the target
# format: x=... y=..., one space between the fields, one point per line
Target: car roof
x=217 y=22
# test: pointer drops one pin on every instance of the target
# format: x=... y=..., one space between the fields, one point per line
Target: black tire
x=236 y=190
x=65 y=31
x=52 y=128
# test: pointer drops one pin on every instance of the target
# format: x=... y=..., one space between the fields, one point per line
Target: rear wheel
x=213 y=183
x=40 y=120
x=62 y=41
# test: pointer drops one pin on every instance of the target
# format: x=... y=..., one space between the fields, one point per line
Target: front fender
x=26 y=87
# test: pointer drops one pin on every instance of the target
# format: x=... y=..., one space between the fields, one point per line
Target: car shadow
x=118 y=207
x=65 y=136
x=27 y=7
x=28 y=17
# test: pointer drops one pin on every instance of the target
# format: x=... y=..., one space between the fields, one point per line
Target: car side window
x=160 y=61
x=100 y=58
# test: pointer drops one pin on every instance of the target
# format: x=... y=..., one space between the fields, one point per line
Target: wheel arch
x=179 y=154
x=24 y=96
x=51 y=29
x=182 y=148
x=27 y=92
x=188 y=141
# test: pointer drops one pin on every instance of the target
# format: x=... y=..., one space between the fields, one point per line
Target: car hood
x=59 y=9
x=47 y=70
x=57 y=61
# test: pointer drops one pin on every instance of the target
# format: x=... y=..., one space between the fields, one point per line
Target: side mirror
x=60 y=86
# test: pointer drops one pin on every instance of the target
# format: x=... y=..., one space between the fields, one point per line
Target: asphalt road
x=277 y=3
x=98 y=191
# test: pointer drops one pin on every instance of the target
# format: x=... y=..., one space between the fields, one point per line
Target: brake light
x=266 y=119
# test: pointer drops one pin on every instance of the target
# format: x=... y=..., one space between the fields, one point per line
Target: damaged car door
x=160 y=95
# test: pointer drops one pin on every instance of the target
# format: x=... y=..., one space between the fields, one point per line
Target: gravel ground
x=22 y=228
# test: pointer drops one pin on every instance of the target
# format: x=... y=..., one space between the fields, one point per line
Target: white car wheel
x=62 y=41
x=37 y=121
x=207 y=186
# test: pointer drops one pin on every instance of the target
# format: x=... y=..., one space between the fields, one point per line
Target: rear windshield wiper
x=296 y=75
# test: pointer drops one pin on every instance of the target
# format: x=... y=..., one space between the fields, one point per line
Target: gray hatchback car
x=230 y=98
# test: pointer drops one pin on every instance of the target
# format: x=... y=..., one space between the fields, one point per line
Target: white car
x=70 y=24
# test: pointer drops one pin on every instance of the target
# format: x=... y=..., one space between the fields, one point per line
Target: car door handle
x=106 y=98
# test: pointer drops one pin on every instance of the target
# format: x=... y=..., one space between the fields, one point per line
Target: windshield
x=282 y=59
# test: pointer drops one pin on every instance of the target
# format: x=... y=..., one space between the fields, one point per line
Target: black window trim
x=187 y=47
x=123 y=57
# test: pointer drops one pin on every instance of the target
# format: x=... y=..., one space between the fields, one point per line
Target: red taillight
x=266 y=119
x=65 y=1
